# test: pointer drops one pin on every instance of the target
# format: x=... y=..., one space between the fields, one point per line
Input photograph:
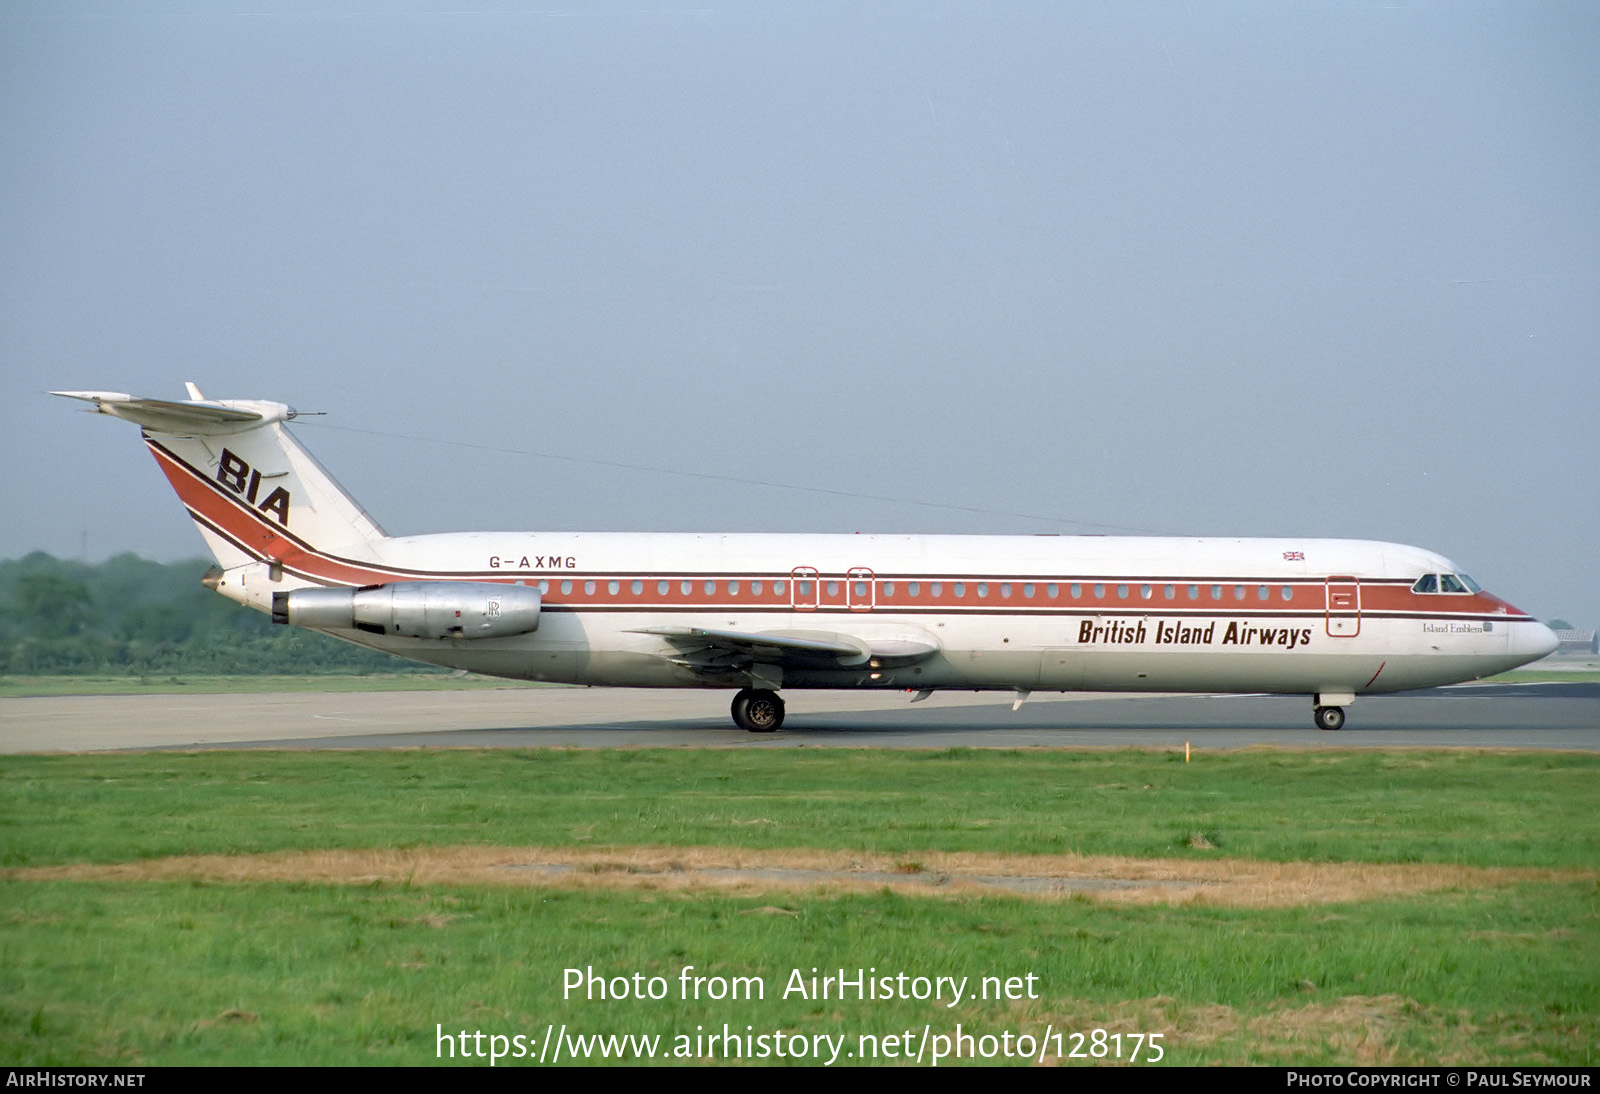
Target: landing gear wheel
x=1330 y=717
x=758 y=710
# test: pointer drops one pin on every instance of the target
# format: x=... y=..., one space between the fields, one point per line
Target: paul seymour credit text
x=743 y=1037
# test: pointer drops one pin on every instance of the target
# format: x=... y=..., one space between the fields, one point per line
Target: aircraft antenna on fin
x=194 y=392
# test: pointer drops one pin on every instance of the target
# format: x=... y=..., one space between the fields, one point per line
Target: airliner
x=757 y=613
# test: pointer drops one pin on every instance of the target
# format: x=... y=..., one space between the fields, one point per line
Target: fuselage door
x=805 y=589
x=1344 y=607
x=861 y=589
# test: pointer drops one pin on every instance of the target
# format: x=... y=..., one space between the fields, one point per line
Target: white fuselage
x=1012 y=612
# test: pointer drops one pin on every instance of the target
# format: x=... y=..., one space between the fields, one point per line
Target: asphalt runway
x=1560 y=716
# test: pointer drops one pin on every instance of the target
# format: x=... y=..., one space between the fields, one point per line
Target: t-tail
x=267 y=509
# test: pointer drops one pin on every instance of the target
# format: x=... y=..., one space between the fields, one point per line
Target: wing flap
x=771 y=646
x=712 y=648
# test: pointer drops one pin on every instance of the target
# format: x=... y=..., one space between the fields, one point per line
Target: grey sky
x=1231 y=269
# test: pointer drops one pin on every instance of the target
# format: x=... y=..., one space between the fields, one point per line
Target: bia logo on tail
x=239 y=477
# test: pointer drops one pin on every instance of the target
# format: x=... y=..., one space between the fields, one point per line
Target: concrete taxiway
x=1536 y=716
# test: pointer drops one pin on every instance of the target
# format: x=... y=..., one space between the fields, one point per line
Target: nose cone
x=1535 y=640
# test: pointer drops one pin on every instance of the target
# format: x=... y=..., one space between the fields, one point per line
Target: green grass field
x=294 y=971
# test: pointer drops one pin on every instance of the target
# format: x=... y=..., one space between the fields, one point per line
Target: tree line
x=130 y=615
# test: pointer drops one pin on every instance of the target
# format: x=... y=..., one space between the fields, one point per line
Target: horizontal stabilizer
x=167 y=416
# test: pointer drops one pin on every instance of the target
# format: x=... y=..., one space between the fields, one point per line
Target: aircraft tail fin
x=254 y=491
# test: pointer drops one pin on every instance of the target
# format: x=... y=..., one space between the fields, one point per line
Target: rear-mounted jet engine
x=416 y=609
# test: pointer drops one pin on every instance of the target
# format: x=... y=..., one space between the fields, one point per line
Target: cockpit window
x=1445 y=583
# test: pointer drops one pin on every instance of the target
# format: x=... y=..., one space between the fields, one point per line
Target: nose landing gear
x=758 y=710
x=1329 y=707
x=1330 y=717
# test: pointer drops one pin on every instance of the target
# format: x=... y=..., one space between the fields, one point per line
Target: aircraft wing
x=713 y=652
x=774 y=648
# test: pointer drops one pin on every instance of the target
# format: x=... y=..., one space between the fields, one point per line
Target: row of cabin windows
x=936 y=589
x=664 y=588
x=1075 y=590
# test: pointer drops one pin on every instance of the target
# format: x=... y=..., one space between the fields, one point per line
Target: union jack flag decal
x=1294 y=556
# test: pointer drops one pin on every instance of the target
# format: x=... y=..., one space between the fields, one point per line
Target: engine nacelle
x=416 y=609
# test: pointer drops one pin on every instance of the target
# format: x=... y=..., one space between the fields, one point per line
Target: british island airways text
x=1118 y=633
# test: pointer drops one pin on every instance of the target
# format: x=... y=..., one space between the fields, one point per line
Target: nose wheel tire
x=1330 y=718
x=758 y=710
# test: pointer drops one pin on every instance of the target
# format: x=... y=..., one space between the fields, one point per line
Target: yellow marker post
x=1186 y=752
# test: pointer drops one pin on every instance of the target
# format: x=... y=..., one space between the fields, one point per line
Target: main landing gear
x=758 y=710
x=1330 y=717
